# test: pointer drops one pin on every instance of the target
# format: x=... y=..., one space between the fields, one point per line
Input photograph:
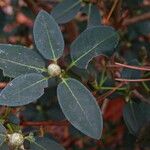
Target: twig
x=133 y=67
x=142 y=17
x=132 y=80
x=104 y=105
x=112 y=9
x=141 y=97
x=45 y=123
x=110 y=92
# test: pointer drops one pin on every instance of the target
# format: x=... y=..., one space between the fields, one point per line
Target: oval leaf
x=48 y=37
x=131 y=73
x=91 y=43
x=23 y=90
x=16 y=60
x=80 y=107
x=66 y=10
x=45 y=144
x=136 y=114
x=2 y=134
x=94 y=17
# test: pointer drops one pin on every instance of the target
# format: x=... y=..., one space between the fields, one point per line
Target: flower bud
x=15 y=139
x=54 y=70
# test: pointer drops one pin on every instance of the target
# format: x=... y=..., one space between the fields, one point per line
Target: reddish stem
x=133 y=67
x=45 y=123
x=132 y=80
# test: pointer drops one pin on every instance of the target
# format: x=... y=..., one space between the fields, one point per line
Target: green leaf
x=134 y=3
x=136 y=115
x=91 y=43
x=16 y=60
x=94 y=18
x=2 y=134
x=48 y=37
x=4 y=146
x=45 y=144
x=80 y=107
x=23 y=90
x=127 y=73
x=66 y=10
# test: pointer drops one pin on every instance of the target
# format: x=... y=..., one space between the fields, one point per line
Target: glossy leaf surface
x=23 y=90
x=47 y=35
x=16 y=60
x=80 y=107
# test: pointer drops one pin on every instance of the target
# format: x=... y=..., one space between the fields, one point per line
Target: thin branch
x=104 y=105
x=132 y=80
x=110 y=92
x=112 y=9
x=141 y=97
x=133 y=67
x=142 y=17
x=45 y=123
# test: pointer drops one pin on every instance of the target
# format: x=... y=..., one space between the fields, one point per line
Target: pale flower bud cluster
x=15 y=139
x=54 y=70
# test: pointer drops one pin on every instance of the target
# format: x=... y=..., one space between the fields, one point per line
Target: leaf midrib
x=49 y=38
x=24 y=65
x=75 y=61
x=18 y=92
x=77 y=102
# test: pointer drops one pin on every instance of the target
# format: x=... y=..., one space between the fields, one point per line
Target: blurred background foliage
x=128 y=17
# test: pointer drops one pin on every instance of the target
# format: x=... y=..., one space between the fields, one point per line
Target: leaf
x=94 y=18
x=48 y=37
x=45 y=144
x=131 y=73
x=136 y=115
x=91 y=43
x=133 y=3
x=66 y=10
x=80 y=107
x=23 y=90
x=2 y=134
x=142 y=27
x=4 y=147
x=16 y=60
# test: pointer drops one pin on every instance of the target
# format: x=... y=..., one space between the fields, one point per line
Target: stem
x=70 y=66
x=10 y=128
x=111 y=91
x=112 y=9
x=132 y=80
x=133 y=67
x=111 y=88
x=45 y=123
x=104 y=105
x=102 y=78
x=145 y=86
x=142 y=17
x=141 y=97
